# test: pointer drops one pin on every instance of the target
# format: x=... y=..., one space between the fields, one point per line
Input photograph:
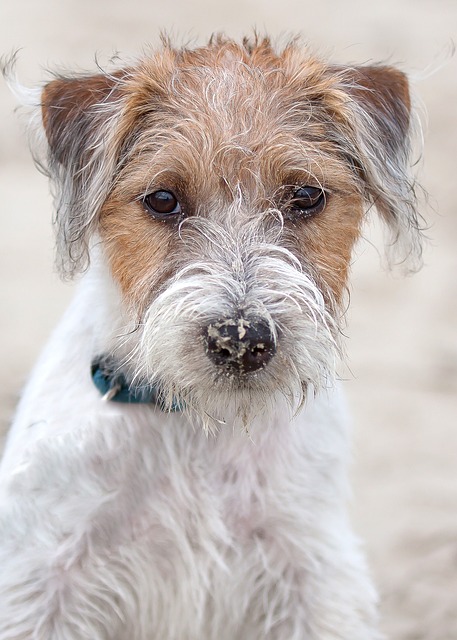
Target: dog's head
x=228 y=185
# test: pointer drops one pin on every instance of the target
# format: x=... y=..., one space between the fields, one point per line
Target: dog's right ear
x=81 y=118
x=71 y=110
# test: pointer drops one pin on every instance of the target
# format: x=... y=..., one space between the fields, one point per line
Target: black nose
x=240 y=345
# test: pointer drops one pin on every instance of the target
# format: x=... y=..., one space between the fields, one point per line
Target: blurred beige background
x=402 y=344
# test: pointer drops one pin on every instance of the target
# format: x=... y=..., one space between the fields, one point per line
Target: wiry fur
x=241 y=272
x=124 y=521
x=298 y=92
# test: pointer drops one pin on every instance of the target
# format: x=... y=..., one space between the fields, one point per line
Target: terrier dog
x=176 y=469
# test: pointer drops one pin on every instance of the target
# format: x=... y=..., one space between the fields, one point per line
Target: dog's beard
x=258 y=280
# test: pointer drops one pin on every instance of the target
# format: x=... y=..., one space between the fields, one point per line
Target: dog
x=176 y=469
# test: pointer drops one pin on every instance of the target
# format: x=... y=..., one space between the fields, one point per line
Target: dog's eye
x=307 y=201
x=162 y=204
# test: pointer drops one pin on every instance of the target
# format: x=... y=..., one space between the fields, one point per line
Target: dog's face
x=228 y=185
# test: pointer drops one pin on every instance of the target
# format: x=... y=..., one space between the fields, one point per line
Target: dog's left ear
x=381 y=123
x=81 y=120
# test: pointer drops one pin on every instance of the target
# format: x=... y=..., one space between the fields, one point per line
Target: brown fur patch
x=327 y=242
x=137 y=249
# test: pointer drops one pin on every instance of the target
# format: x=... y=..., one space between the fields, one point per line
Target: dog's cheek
x=326 y=242
x=137 y=250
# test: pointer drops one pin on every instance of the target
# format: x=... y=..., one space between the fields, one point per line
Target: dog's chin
x=229 y=398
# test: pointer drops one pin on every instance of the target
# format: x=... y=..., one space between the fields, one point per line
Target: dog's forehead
x=233 y=89
x=235 y=109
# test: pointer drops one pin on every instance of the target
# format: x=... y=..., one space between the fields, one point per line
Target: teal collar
x=113 y=386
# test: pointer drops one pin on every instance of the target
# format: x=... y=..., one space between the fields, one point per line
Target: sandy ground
x=402 y=346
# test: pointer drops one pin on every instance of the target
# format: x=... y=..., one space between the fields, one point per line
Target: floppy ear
x=80 y=116
x=69 y=112
x=384 y=92
x=381 y=101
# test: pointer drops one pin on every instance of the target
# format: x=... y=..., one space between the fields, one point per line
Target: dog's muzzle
x=239 y=345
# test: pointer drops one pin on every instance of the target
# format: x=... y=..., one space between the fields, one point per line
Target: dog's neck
x=110 y=380
x=113 y=340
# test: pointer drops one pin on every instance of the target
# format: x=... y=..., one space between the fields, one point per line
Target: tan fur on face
x=220 y=124
x=227 y=125
x=327 y=242
x=137 y=250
